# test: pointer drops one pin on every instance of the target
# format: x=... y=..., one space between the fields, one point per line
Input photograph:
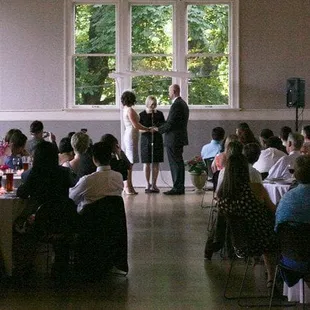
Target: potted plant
x=198 y=172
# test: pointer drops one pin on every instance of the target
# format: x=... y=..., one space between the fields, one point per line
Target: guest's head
x=235 y=176
x=251 y=151
x=264 y=135
x=45 y=155
x=241 y=126
x=234 y=148
x=80 y=142
x=65 y=146
x=36 y=129
x=284 y=132
x=294 y=142
x=151 y=103
x=218 y=133
x=70 y=134
x=128 y=98
x=17 y=143
x=229 y=139
x=302 y=169
x=305 y=149
x=101 y=154
x=246 y=136
x=306 y=133
x=174 y=91
x=110 y=140
x=274 y=142
x=9 y=134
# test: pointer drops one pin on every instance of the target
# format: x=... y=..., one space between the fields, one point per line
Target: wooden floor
x=167 y=269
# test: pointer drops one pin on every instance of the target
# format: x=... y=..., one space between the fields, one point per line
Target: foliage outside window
x=152 y=38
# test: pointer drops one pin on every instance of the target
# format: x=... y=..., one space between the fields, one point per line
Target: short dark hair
x=36 y=127
x=274 y=142
x=128 y=98
x=65 y=145
x=302 y=169
x=266 y=133
x=284 y=132
x=45 y=155
x=251 y=151
x=243 y=126
x=102 y=153
x=218 y=133
x=306 y=130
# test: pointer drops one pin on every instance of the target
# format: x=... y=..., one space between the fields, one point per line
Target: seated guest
x=284 y=132
x=87 y=165
x=306 y=133
x=7 y=138
x=269 y=155
x=241 y=127
x=219 y=160
x=38 y=135
x=103 y=182
x=17 y=146
x=80 y=143
x=305 y=149
x=45 y=181
x=215 y=146
x=294 y=205
x=252 y=151
x=66 y=152
x=263 y=137
x=119 y=161
x=238 y=197
x=246 y=136
x=281 y=168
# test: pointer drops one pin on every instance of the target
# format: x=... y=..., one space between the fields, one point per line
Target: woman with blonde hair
x=79 y=142
x=151 y=143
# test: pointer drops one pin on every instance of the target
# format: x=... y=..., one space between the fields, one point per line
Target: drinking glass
x=9 y=181
x=291 y=170
x=25 y=160
x=16 y=161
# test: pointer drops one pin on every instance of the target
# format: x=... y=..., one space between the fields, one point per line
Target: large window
x=145 y=47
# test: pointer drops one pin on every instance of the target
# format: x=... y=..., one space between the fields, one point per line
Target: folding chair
x=294 y=262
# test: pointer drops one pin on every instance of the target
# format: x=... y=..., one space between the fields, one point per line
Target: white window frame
x=123 y=50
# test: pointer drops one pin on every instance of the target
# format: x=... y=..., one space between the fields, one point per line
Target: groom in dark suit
x=175 y=130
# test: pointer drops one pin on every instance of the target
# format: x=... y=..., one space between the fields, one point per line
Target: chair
x=294 y=240
x=238 y=228
x=56 y=224
x=103 y=238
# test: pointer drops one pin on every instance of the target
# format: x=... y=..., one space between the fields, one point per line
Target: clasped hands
x=153 y=129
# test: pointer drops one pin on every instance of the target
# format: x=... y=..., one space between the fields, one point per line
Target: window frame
x=123 y=51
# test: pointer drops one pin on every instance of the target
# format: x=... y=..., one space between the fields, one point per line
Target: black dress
x=146 y=138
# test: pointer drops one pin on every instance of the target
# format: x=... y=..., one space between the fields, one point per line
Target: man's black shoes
x=174 y=192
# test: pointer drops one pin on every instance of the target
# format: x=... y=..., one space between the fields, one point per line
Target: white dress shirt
x=267 y=159
x=255 y=176
x=280 y=168
x=92 y=187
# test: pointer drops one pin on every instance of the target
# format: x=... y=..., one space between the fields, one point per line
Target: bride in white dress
x=131 y=135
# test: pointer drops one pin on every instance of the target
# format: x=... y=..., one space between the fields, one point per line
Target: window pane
x=151 y=29
x=210 y=82
x=152 y=85
x=92 y=84
x=208 y=28
x=140 y=63
x=94 y=29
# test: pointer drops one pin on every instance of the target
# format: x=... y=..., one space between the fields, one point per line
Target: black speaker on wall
x=295 y=93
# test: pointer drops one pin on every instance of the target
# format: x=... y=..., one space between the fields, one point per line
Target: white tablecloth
x=276 y=190
x=295 y=293
x=10 y=208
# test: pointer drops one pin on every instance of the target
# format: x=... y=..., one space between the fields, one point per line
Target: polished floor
x=166 y=236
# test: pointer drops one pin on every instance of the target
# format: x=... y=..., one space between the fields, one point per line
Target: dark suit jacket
x=175 y=128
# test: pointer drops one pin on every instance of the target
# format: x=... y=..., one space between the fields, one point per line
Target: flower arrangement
x=196 y=165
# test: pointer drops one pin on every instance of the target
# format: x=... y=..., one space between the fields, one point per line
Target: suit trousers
x=177 y=168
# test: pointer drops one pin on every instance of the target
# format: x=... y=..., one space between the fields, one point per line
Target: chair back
x=57 y=216
x=294 y=240
x=208 y=163
x=104 y=234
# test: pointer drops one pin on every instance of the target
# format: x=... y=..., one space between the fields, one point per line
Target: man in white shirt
x=103 y=182
x=270 y=155
x=281 y=168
